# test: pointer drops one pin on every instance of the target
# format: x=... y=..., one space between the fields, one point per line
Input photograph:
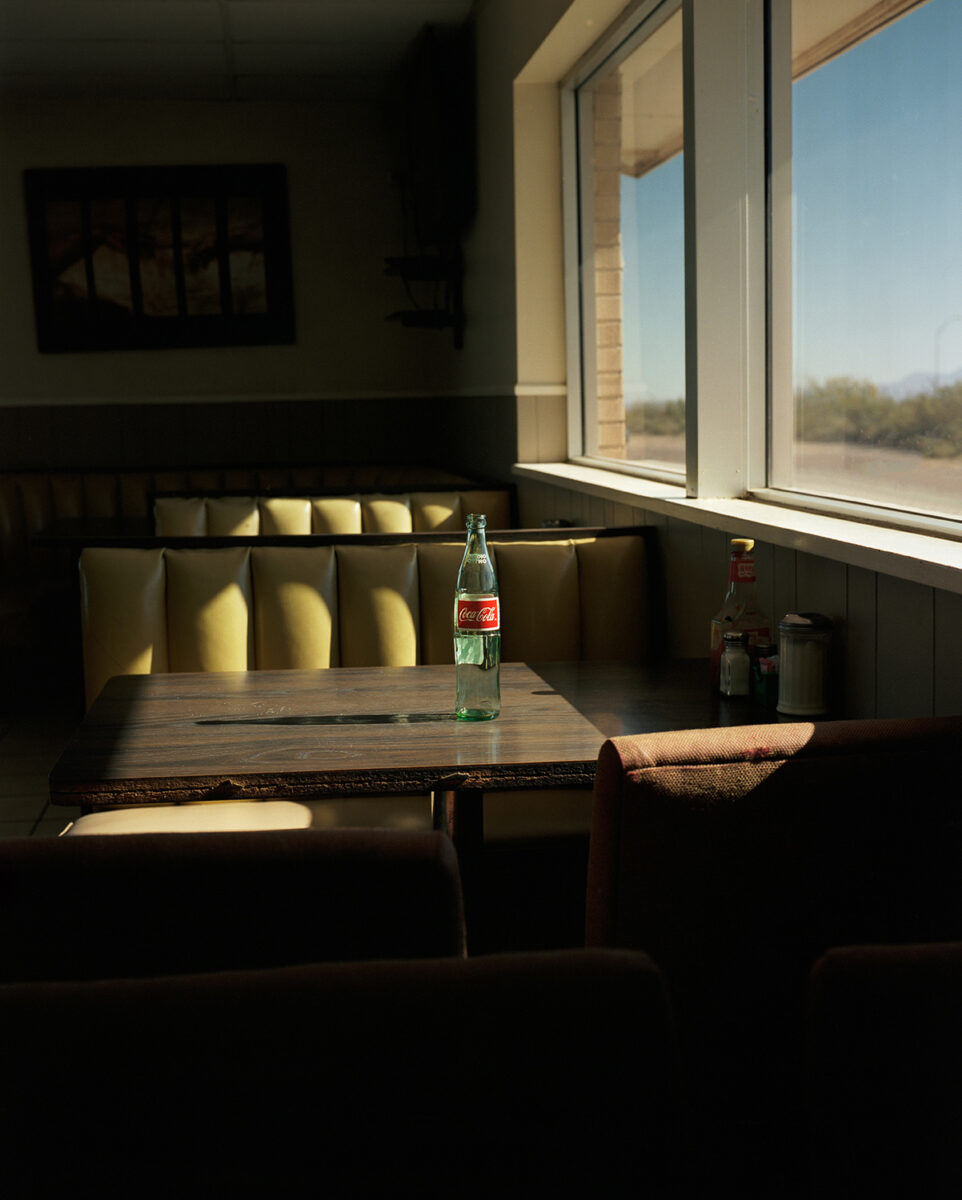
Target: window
x=769 y=246
x=631 y=237
x=868 y=403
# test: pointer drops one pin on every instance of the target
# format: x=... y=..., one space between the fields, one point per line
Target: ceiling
x=210 y=49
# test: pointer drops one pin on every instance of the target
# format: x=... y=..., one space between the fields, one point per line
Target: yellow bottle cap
x=743 y=545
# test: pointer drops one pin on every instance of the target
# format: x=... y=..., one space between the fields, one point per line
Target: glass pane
x=111 y=263
x=158 y=280
x=198 y=231
x=634 y=226
x=877 y=264
x=65 y=252
x=245 y=242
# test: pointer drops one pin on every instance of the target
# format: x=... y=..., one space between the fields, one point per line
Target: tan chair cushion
x=387 y=514
x=123 y=613
x=295 y=606
x=540 y=604
x=180 y=516
x=336 y=514
x=400 y=813
x=438 y=564
x=208 y=606
x=609 y=571
x=232 y=516
x=378 y=605
x=436 y=510
x=194 y=818
x=285 y=515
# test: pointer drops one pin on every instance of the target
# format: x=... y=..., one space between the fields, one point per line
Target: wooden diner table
x=179 y=738
x=175 y=738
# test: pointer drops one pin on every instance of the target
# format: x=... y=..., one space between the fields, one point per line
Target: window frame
x=781 y=315
x=577 y=120
x=738 y=245
x=725 y=239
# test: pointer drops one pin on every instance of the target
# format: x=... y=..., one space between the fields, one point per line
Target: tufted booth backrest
x=32 y=500
x=300 y=515
x=253 y=607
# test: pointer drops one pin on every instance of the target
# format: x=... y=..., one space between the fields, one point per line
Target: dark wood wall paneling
x=469 y=436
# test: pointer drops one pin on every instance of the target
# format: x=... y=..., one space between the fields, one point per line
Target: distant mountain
x=918 y=381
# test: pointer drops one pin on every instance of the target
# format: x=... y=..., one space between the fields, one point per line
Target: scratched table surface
x=171 y=738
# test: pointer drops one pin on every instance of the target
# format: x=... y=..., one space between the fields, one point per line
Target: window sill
x=906 y=554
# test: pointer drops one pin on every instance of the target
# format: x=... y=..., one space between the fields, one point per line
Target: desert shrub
x=853 y=410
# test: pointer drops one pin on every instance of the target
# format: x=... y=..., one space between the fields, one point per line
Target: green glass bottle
x=477 y=630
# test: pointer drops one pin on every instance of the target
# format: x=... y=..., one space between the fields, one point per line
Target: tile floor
x=29 y=746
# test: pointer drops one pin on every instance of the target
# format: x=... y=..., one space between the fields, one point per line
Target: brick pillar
x=609 y=267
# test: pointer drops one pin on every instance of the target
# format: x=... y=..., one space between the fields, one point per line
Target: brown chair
x=885 y=1072
x=507 y=1075
x=735 y=857
x=160 y=904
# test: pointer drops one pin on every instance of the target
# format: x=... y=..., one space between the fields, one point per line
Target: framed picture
x=160 y=257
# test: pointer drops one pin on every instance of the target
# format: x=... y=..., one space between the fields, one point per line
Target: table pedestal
x=459 y=812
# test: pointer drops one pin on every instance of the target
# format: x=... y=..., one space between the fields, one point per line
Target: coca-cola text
x=479 y=615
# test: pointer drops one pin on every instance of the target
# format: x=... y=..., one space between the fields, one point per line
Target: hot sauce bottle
x=740 y=611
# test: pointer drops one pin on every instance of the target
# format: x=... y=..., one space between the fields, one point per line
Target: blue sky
x=877 y=177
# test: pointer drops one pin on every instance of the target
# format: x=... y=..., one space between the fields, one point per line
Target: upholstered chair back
x=736 y=856
x=513 y=1076
x=168 y=903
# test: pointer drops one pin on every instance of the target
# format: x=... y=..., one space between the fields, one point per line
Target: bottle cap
x=743 y=545
x=733 y=638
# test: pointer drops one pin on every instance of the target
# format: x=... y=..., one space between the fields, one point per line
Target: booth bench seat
x=37 y=581
x=583 y=595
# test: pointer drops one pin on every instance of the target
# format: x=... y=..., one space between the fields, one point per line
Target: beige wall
x=344 y=221
x=508 y=34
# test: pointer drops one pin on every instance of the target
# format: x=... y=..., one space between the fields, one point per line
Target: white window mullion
x=781 y=392
x=584 y=115
x=570 y=194
x=724 y=245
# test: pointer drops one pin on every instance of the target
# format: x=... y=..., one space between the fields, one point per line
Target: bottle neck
x=476 y=574
x=476 y=545
x=741 y=575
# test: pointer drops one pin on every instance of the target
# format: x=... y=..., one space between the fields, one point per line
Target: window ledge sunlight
x=925 y=558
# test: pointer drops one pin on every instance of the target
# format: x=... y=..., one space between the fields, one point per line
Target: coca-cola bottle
x=477 y=630
x=740 y=611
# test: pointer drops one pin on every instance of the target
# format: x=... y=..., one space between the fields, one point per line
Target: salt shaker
x=735 y=665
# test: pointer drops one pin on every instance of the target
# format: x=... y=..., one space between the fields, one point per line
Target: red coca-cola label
x=480 y=615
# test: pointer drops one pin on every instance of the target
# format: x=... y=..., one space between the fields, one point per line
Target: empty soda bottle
x=477 y=630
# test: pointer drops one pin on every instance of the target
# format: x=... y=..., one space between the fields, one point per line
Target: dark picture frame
x=160 y=257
